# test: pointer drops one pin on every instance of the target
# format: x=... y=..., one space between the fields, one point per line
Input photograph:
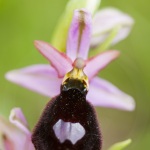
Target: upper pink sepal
x=79 y=35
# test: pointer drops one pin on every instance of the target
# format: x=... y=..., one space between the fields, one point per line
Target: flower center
x=77 y=74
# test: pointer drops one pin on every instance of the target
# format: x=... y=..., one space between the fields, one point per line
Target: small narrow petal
x=13 y=137
x=79 y=35
x=18 y=119
x=102 y=93
x=97 y=63
x=39 y=78
x=58 y=60
x=108 y=19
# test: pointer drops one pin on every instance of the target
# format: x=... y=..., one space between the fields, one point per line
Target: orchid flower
x=15 y=134
x=110 y=25
x=46 y=79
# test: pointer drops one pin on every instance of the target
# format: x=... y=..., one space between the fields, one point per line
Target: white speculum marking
x=68 y=131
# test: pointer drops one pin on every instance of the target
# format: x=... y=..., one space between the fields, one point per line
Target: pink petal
x=58 y=60
x=18 y=119
x=79 y=35
x=39 y=78
x=14 y=138
x=106 y=20
x=102 y=93
x=97 y=63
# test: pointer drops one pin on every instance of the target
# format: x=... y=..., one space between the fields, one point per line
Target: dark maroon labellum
x=68 y=122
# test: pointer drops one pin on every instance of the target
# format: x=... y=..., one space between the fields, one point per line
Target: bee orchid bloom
x=15 y=134
x=46 y=79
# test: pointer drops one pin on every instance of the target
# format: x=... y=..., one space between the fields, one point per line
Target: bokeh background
x=23 y=21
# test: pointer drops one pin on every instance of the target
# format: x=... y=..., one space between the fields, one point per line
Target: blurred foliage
x=23 y=21
x=121 y=145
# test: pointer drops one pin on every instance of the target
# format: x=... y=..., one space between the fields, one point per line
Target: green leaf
x=59 y=38
x=120 y=145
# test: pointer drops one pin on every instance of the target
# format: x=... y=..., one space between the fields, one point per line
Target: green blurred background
x=23 y=21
